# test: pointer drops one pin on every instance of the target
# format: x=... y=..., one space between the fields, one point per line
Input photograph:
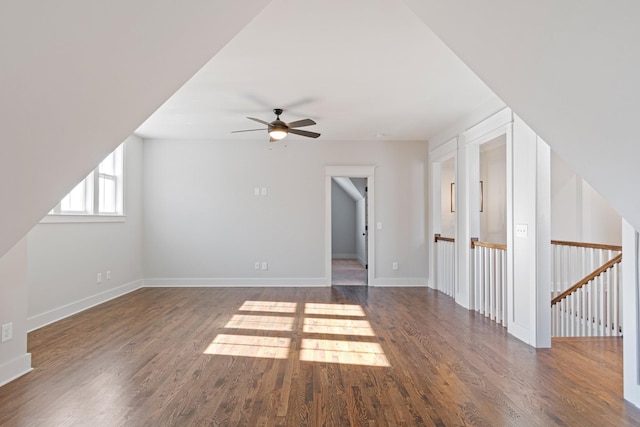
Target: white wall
x=447 y=218
x=203 y=224
x=14 y=359
x=578 y=212
x=106 y=72
x=343 y=223
x=539 y=59
x=64 y=258
x=493 y=174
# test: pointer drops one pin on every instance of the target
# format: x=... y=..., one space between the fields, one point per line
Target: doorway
x=349 y=231
x=356 y=263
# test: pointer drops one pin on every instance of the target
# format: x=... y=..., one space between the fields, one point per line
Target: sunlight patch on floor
x=348 y=351
x=250 y=346
x=338 y=327
x=334 y=309
x=269 y=306
x=261 y=323
x=343 y=352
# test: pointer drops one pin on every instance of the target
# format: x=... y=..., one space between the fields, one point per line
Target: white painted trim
x=65 y=219
x=15 y=368
x=43 y=319
x=235 y=282
x=401 y=282
x=345 y=256
x=351 y=172
x=444 y=151
x=631 y=312
x=498 y=120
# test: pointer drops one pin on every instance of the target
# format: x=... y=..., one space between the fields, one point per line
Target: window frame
x=93 y=195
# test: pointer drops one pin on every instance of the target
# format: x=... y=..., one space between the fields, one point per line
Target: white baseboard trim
x=236 y=282
x=400 y=282
x=15 y=368
x=43 y=319
x=344 y=256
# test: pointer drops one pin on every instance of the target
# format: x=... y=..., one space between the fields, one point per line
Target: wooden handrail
x=475 y=243
x=587 y=279
x=438 y=238
x=587 y=245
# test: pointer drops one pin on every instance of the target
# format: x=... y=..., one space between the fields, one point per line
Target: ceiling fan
x=278 y=129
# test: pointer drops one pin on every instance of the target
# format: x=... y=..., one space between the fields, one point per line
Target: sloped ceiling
x=570 y=69
x=77 y=77
x=363 y=70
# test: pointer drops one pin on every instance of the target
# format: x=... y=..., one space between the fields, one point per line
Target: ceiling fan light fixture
x=278 y=132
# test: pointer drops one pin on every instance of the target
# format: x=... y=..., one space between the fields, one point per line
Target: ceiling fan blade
x=304 y=133
x=258 y=120
x=301 y=123
x=247 y=130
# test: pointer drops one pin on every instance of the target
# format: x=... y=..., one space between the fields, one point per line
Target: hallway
x=347 y=272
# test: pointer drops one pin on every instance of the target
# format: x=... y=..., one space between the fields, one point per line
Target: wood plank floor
x=307 y=357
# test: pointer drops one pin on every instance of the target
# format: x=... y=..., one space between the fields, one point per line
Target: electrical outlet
x=108 y=274
x=394 y=266
x=99 y=279
x=265 y=265
x=7 y=332
x=257 y=265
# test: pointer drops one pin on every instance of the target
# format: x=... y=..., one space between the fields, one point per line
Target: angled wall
x=569 y=69
x=79 y=77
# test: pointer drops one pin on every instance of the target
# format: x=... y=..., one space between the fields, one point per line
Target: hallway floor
x=348 y=272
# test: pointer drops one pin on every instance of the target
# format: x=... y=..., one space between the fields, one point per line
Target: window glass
x=100 y=193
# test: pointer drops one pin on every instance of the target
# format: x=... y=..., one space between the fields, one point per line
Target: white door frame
x=446 y=151
x=351 y=172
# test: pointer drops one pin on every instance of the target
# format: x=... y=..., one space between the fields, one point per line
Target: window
x=100 y=193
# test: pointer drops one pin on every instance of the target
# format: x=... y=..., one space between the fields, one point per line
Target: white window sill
x=58 y=219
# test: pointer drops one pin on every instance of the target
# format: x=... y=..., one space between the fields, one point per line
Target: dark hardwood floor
x=307 y=357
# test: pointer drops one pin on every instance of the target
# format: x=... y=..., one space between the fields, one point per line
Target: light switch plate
x=379 y=226
x=522 y=230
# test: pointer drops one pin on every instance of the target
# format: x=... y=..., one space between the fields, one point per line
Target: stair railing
x=574 y=260
x=489 y=268
x=445 y=264
x=592 y=306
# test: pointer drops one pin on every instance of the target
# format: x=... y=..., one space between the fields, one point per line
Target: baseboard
x=15 y=368
x=249 y=282
x=400 y=282
x=344 y=256
x=43 y=319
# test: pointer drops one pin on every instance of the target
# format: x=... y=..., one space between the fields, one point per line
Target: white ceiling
x=362 y=69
